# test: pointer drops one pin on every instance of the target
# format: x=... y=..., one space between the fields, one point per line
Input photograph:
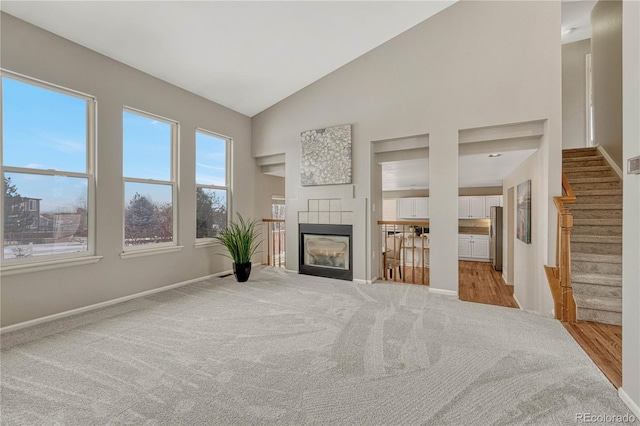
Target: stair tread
x=598 y=222
x=585 y=149
x=599 y=279
x=582 y=148
x=601 y=239
x=596 y=206
x=598 y=192
x=596 y=258
x=587 y=169
x=579 y=159
x=605 y=317
x=588 y=289
x=599 y=303
x=594 y=180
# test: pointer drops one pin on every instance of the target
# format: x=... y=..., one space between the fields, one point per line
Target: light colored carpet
x=294 y=349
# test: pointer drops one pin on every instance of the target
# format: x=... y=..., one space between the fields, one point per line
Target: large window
x=212 y=183
x=47 y=171
x=149 y=147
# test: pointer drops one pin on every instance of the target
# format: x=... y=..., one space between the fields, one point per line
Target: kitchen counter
x=475 y=230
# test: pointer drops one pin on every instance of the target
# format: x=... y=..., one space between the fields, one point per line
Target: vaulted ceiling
x=246 y=56
x=250 y=55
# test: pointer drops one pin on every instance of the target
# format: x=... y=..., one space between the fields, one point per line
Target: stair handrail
x=559 y=277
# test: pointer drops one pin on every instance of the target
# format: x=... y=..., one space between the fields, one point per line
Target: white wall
x=480 y=190
x=405 y=193
x=266 y=187
x=475 y=64
x=606 y=60
x=574 y=94
x=631 y=208
x=529 y=280
x=34 y=52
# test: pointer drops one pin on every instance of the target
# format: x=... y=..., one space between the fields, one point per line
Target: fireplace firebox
x=326 y=251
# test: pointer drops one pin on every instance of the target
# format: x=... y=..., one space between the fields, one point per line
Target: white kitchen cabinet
x=464 y=247
x=480 y=249
x=471 y=207
x=413 y=208
x=473 y=247
x=405 y=207
x=490 y=201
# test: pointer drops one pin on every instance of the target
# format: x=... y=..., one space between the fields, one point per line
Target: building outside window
x=149 y=170
x=277 y=207
x=212 y=183
x=48 y=138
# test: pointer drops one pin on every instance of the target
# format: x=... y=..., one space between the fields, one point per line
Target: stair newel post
x=559 y=277
x=568 y=302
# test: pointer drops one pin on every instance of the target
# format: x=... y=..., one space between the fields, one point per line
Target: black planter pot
x=242 y=271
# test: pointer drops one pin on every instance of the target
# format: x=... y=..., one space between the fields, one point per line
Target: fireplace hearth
x=326 y=251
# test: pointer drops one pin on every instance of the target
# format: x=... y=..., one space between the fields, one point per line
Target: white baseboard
x=613 y=165
x=443 y=292
x=517 y=301
x=291 y=271
x=64 y=314
x=357 y=281
x=635 y=409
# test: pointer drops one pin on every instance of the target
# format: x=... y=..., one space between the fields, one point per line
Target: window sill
x=150 y=252
x=207 y=243
x=26 y=268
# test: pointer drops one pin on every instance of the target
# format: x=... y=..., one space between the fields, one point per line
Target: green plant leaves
x=241 y=239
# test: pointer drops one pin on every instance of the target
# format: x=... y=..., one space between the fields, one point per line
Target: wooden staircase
x=596 y=237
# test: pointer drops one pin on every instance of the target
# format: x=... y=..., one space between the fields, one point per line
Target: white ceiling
x=576 y=20
x=250 y=55
x=246 y=56
x=475 y=170
x=408 y=174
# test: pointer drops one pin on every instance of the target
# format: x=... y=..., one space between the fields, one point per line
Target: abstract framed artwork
x=524 y=212
x=325 y=158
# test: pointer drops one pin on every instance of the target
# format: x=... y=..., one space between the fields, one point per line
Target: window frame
x=175 y=141
x=589 y=118
x=228 y=182
x=90 y=172
x=274 y=201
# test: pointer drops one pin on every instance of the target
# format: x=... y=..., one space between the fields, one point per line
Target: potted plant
x=241 y=240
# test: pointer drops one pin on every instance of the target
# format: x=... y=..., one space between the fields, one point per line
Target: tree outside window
x=149 y=143
x=212 y=183
x=47 y=170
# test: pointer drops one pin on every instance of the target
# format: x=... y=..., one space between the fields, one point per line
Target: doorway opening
x=401 y=168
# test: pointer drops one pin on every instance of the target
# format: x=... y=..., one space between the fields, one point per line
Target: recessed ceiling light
x=495 y=155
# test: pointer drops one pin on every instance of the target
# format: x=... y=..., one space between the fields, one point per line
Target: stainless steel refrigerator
x=495 y=238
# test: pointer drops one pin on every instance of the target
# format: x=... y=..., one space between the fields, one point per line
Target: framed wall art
x=325 y=158
x=524 y=212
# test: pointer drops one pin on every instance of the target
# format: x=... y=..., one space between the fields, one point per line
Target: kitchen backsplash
x=472 y=223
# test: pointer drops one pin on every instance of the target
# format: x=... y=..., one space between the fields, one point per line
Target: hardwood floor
x=603 y=344
x=410 y=275
x=480 y=283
